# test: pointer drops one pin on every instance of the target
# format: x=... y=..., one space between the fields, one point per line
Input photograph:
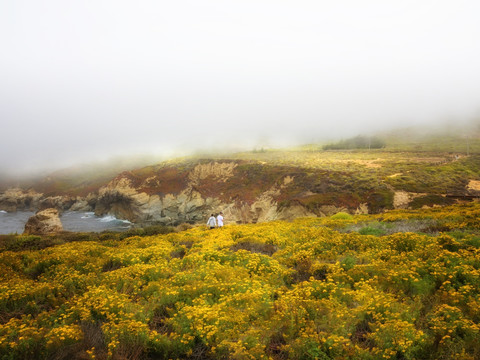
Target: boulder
x=44 y=222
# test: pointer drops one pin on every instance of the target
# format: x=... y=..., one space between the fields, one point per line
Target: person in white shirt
x=220 y=220
x=212 y=222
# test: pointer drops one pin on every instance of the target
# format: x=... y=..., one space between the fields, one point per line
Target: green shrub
x=348 y=262
x=341 y=216
x=430 y=200
x=358 y=142
x=131 y=233
x=157 y=230
x=473 y=241
x=68 y=236
x=380 y=200
x=28 y=242
x=183 y=227
x=147 y=231
x=372 y=230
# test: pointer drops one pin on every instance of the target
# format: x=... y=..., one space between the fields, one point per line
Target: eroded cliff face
x=245 y=191
x=125 y=199
x=208 y=188
x=121 y=199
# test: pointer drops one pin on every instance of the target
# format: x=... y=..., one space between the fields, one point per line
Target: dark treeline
x=358 y=142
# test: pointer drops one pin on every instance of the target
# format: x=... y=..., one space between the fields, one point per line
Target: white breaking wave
x=88 y=215
x=3 y=212
x=108 y=218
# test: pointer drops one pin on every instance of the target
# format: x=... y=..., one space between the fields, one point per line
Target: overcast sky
x=81 y=80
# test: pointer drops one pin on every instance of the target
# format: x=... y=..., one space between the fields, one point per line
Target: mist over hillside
x=77 y=174
x=86 y=81
x=449 y=137
x=407 y=168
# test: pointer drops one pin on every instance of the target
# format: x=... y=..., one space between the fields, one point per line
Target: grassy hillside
x=410 y=161
x=343 y=179
x=399 y=285
x=80 y=179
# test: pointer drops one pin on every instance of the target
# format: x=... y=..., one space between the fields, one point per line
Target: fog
x=86 y=80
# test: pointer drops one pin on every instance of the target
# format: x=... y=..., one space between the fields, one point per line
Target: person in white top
x=212 y=222
x=220 y=220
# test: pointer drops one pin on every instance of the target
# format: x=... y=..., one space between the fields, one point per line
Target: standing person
x=212 y=222
x=220 y=219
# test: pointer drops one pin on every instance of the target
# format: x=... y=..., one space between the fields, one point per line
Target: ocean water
x=14 y=222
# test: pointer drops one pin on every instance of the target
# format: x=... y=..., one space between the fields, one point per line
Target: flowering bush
x=299 y=290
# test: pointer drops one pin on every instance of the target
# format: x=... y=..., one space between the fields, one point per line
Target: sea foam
x=108 y=218
x=88 y=215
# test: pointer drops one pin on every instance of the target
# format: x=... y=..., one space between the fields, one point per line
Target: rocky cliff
x=17 y=199
x=244 y=190
x=195 y=193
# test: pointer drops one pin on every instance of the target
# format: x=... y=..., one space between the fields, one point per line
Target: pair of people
x=213 y=222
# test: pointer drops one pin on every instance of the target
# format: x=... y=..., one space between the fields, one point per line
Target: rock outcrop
x=17 y=199
x=473 y=187
x=44 y=222
x=207 y=188
x=245 y=191
x=121 y=199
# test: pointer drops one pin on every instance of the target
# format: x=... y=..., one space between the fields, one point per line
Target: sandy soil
x=474 y=185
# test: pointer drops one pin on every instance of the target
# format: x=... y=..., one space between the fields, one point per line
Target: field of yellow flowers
x=315 y=288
